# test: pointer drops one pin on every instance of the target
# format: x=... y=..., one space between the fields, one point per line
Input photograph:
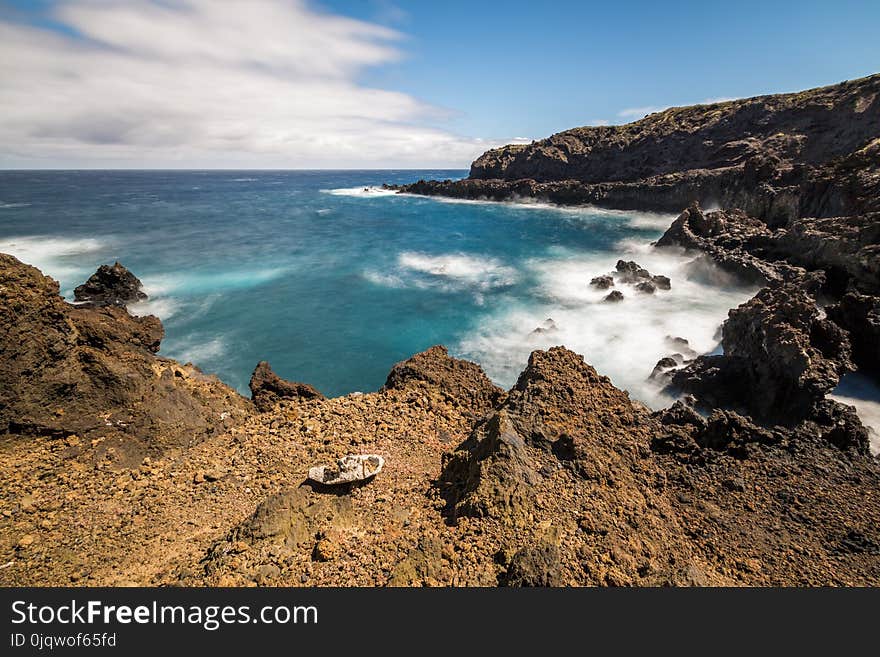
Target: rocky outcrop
x=110 y=286
x=456 y=380
x=569 y=446
x=92 y=372
x=267 y=388
x=813 y=153
x=781 y=357
x=843 y=250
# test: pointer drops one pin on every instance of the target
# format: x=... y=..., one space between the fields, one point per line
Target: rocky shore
x=118 y=466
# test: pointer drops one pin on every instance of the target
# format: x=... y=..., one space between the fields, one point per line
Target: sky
x=381 y=83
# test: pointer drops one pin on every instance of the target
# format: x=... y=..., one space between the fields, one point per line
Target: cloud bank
x=202 y=83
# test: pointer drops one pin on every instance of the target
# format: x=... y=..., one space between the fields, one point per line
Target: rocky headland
x=119 y=466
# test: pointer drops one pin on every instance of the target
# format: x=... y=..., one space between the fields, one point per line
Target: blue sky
x=140 y=83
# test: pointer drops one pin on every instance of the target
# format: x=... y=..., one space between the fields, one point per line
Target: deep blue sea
x=333 y=280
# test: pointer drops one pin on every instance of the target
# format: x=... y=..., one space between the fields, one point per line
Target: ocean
x=333 y=280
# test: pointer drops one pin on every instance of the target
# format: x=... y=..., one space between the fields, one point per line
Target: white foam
x=199 y=352
x=474 y=270
x=55 y=256
x=621 y=340
x=163 y=308
x=450 y=272
x=207 y=282
x=11 y=206
x=360 y=192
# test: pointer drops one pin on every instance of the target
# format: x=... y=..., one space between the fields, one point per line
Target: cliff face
x=811 y=128
x=814 y=153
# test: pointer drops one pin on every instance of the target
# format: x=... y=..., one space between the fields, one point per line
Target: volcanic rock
x=602 y=282
x=457 y=380
x=631 y=272
x=780 y=358
x=92 y=372
x=110 y=286
x=812 y=153
x=613 y=296
x=662 y=282
x=267 y=388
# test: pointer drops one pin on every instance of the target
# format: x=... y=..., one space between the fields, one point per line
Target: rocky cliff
x=815 y=153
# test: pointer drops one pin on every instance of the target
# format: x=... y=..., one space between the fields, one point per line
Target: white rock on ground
x=353 y=467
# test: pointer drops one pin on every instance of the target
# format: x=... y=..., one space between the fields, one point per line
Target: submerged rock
x=547 y=326
x=631 y=272
x=110 y=286
x=348 y=469
x=602 y=282
x=614 y=296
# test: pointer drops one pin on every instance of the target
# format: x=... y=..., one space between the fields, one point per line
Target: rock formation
x=110 y=286
x=814 y=153
x=93 y=372
x=267 y=388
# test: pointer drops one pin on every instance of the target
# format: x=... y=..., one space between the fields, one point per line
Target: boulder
x=110 y=285
x=267 y=388
x=459 y=381
x=613 y=296
x=602 y=282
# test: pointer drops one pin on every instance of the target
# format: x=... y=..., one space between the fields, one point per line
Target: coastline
x=123 y=467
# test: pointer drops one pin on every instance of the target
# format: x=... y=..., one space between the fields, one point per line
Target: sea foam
x=360 y=192
x=621 y=340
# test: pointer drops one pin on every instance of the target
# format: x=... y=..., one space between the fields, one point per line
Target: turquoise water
x=333 y=281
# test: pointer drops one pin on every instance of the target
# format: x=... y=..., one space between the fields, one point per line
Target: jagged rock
x=662 y=282
x=93 y=372
x=110 y=286
x=839 y=425
x=602 y=282
x=348 y=469
x=663 y=365
x=459 y=381
x=780 y=358
x=646 y=287
x=613 y=296
x=631 y=272
x=547 y=326
x=491 y=473
x=267 y=388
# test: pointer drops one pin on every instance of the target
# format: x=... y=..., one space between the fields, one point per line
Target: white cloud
x=638 y=112
x=719 y=99
x=200 y=83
